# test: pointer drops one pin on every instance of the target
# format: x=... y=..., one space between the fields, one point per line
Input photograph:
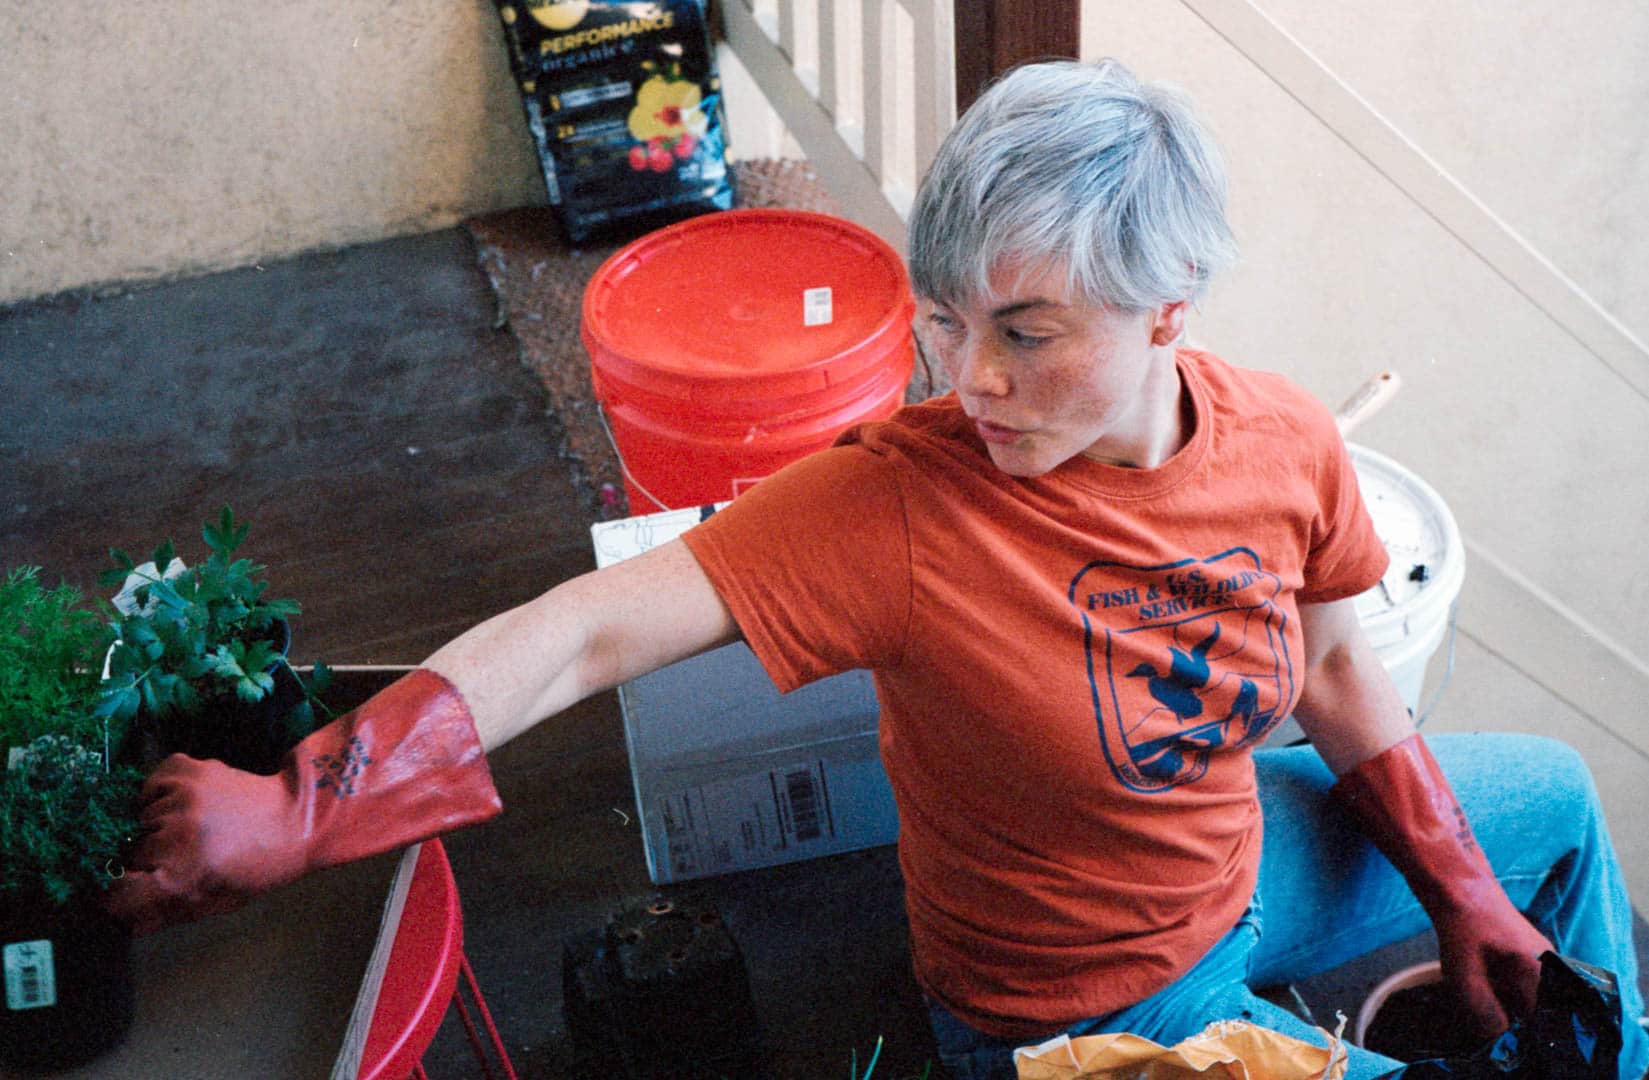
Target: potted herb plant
x=66 y=814
x=199 y=661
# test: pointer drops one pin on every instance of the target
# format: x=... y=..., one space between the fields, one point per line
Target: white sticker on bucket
x=816 y=307
x=31 y=978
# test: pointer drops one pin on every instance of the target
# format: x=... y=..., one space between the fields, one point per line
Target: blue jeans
x=1325 y=896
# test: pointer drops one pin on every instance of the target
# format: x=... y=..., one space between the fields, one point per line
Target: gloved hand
x=405 y=766
x=1490 y=953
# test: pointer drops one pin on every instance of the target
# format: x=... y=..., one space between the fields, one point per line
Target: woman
x=1088 y=583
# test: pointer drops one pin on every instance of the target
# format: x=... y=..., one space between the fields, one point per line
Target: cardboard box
x=730 y=775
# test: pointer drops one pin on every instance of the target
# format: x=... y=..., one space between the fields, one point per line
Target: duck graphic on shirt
x=1184 y=660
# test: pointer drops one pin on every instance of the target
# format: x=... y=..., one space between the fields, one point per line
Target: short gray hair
x=1079 y=164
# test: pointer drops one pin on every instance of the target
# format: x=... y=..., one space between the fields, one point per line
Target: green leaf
x=142 y=640
x=164 y=554
x=167 y=597
x=113 y=701
x=321 y=679
x=227 y=536
x=283 y=609
x=123 y=563
x=166 y=687
x=216 y=536
x=225 y=660
x=253 y=687
x=185 y=697
x=59 y=889
x=126 y=661
x=300 y=721
x=259 y=656
x=63 y=819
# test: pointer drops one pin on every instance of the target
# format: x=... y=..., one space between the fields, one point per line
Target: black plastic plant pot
x=246 y=735
x=250 y=736
x=68 y=992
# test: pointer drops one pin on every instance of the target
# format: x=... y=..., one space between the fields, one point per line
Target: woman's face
x=1047 y=376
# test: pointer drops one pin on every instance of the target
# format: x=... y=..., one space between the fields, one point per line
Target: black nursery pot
x=68 y=976
x=250 y=736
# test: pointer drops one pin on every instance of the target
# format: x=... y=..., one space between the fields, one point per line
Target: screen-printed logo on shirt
x=1183 y=660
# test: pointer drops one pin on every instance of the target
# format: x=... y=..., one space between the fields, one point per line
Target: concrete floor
x=400 y=324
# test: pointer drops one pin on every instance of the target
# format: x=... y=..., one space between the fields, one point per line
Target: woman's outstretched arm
x=410 y=763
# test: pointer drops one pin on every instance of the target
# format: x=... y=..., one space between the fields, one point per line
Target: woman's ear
x=1168 y=323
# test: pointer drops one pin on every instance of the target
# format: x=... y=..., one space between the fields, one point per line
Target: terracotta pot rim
x=1402 y=979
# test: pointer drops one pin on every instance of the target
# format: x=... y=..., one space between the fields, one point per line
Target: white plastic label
x=817 y=307
x=746 y=819
x=124 y=600
x=31 y=978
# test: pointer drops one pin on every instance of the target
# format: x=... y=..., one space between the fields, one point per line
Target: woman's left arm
x=1349 y=707
x=1393 y=789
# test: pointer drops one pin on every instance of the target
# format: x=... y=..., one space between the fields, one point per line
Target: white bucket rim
x=1432 y=604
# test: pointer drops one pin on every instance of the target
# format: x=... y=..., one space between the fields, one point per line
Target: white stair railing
x=866 y=87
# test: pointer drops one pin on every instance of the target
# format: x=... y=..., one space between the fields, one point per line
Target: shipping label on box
x=731 y=775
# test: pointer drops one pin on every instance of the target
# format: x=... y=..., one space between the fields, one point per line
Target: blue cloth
x=1326 y=896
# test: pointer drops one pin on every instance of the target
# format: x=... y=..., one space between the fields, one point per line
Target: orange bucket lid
x=778 y=302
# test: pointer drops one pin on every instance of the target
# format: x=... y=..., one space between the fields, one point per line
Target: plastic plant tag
x=125 y=601
x=31 y=976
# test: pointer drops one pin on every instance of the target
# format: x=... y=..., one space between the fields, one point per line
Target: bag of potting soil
x=624 y=105
x=1574 y=1033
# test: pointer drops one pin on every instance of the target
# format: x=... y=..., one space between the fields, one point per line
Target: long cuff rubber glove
x=1489 y=951
x=405 y=766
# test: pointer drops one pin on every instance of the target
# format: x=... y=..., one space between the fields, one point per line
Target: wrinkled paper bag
x=1224 y=1050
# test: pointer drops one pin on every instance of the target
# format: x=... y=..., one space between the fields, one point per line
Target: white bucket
x=1407 y=614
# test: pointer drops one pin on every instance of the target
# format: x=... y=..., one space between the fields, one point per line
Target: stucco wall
x=160 y=137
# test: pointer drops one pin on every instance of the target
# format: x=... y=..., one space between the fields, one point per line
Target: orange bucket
x=727 y=346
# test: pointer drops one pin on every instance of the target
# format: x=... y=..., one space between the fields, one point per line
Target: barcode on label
x=817 y=307
x=31 y=981
x=804 y=804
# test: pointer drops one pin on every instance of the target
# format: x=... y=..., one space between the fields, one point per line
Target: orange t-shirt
x=1072 y=670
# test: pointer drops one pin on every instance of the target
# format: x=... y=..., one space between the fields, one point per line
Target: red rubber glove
x=405 y=766
x=1489 y=951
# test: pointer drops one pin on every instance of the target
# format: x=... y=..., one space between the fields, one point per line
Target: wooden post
x=994 y=35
